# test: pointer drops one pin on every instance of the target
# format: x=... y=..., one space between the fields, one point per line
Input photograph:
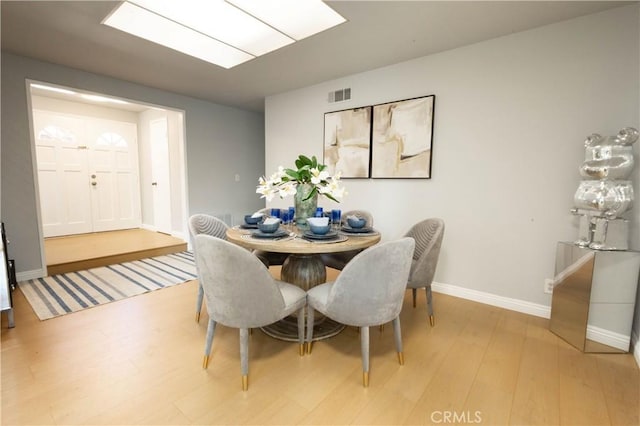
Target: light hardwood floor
x=138 y=361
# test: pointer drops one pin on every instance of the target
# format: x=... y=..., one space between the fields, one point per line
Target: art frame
x=402 y=138
x=347 y=142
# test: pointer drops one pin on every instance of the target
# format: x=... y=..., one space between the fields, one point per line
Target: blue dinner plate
x=328 y=236
x=364 y=230
x=279 y=233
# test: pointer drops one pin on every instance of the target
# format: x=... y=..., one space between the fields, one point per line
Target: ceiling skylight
x=296 y=18
x=225 y=33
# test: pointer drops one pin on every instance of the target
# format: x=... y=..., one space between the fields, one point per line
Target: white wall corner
x=493 y=300
x=176 y=234
x=148 y=227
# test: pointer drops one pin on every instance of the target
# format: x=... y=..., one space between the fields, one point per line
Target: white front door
x=160 y=175
x=61 y=154
x=113 y=166
x=87 y=174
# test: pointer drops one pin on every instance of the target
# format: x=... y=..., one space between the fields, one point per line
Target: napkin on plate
x=257 y=214
x=271 y=221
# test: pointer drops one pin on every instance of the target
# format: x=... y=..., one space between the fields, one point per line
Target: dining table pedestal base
x=305 y=271
x=287 y=329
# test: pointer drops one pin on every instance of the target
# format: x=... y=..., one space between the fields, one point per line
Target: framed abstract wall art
x=402 y=138
x=347 y=142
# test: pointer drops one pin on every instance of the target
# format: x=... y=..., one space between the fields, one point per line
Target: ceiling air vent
x=340 y=95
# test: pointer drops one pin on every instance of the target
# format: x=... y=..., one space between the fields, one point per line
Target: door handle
x=154 y=183
x=94 y=183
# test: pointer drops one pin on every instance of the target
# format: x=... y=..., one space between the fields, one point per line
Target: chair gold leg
x=205 y=362
x=432 y=320
x=401 y=358
x=301 y=349
x=197 y=316
x=365 y=379
x=381 y=328
x=245 y=383
x=309 y=344
x=251 y=332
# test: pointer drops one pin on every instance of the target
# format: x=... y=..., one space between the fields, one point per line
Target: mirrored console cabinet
x=594 y=297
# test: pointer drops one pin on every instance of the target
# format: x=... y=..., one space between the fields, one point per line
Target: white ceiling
x=376 y=34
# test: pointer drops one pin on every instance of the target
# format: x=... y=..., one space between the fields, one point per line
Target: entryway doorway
x=103 y=163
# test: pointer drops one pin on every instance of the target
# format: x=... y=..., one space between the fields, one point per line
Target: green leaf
x=305 y=160
x=294 y=174
x=331 y=198
x=311 y=194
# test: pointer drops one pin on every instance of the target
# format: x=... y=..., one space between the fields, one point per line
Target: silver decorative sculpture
x=605 y=194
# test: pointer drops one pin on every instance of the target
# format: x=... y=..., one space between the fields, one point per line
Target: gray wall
x=511 y=116
x=220 y=143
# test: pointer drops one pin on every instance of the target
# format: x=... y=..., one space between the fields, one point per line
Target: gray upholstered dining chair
x=369 y=291
x=241 y=293
x=208 y=225
x=428 y=237
x=340 y=259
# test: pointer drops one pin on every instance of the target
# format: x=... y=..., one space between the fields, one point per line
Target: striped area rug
x=71 y=292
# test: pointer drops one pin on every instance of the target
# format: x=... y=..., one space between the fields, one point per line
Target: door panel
x=76 y=214
x=160 y=175
x=62 y=174
x=126 y=196
x=52 y=213
x=103 y=205
x=116 y=195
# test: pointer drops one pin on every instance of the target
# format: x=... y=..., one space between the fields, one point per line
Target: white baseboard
x=30 y=275
x=493 y=300
x=610 y=338
x=152 y=228
x=178 y=234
